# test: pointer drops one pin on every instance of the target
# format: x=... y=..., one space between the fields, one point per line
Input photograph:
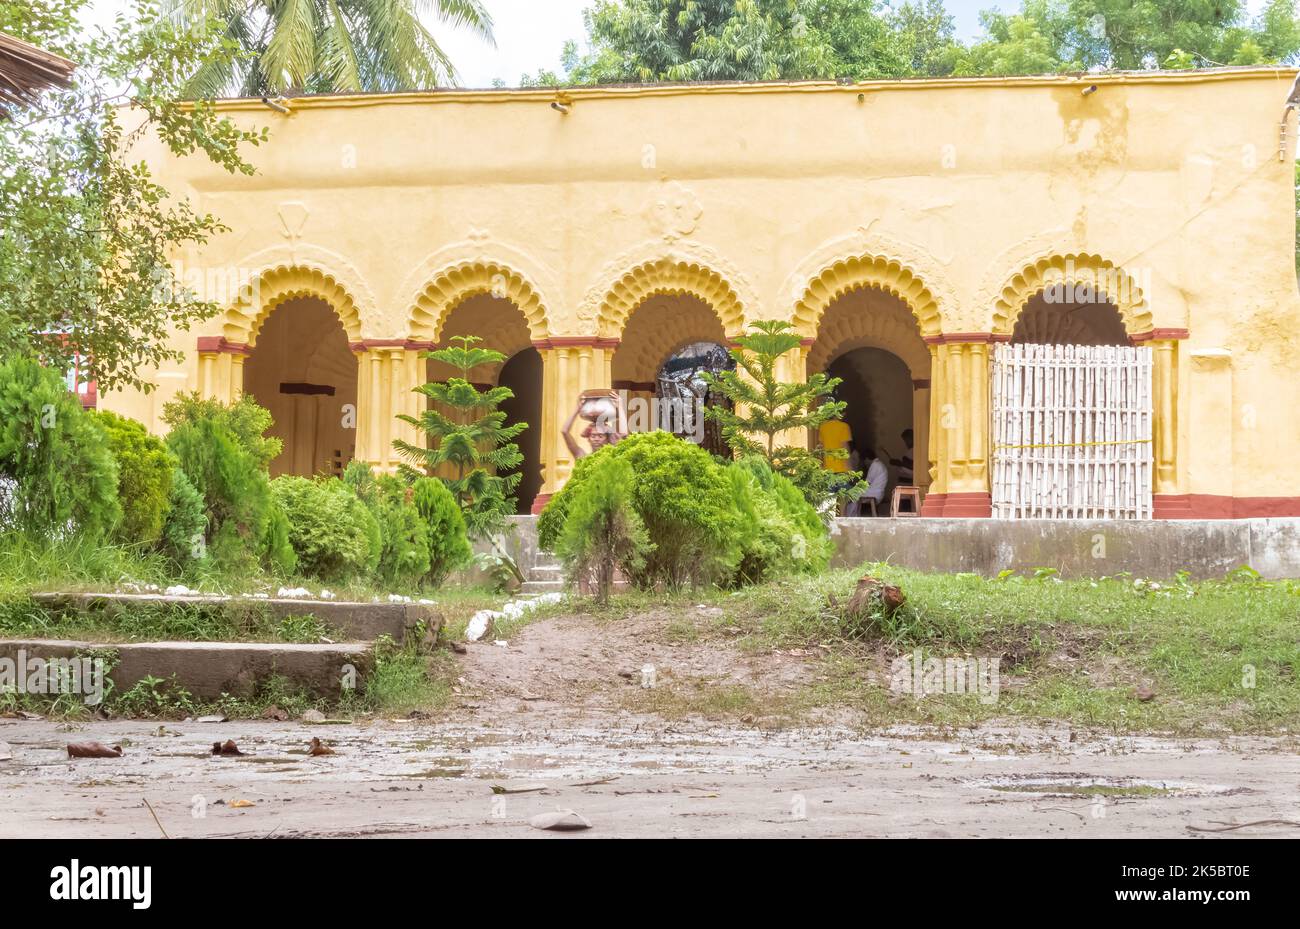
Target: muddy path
x=584 y=668
x=643 y=778
x=557 y=717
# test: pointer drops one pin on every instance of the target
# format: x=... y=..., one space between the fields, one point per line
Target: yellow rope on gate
x=998 y=448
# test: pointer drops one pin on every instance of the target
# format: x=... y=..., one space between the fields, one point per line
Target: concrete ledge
x=1076 y=548
x=209 y=669
x=355 y=621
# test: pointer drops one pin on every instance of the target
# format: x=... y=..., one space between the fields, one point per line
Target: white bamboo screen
x=1071 y=432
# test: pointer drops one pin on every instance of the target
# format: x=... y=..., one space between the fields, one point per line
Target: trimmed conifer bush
x=57 y=473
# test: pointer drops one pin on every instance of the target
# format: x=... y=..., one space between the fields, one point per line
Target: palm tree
x=328 y=46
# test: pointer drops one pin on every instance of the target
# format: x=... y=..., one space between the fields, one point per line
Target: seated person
x=877 y=483
x=904 y=464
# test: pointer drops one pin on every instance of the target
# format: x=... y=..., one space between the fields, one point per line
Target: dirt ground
x=556 y=719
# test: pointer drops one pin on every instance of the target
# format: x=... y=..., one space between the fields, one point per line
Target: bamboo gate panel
x=1072 y=431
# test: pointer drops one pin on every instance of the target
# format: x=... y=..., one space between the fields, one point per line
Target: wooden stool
x=906 y=493
x=862 y=502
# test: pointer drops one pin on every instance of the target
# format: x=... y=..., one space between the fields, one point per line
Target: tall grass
x=28 y=564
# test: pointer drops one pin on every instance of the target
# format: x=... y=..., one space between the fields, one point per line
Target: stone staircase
x=210 y=669
x=544 y=575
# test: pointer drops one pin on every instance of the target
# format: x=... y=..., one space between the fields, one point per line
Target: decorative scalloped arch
x=894 y=332
x=595 y=310
x=672 y=277
x=642 y=352
x=455 y=284
x=1072 y=269
x=274 y=286
x=867 y=271
x=1088 y=324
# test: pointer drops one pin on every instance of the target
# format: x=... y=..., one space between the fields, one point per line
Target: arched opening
x=502 y=326
x=668 y=342
x=1072 y=402
x=682 y=383
x=1069 y=315
x=868 y=337
x=302 y=369
x=878 y=390
x=522 y=373
x=1071 y=299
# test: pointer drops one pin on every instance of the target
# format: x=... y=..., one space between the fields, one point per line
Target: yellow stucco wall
x=766 y=201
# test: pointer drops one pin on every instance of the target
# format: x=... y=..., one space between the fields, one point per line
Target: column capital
x=577 y=341
x=409 y=345
x=1160 y=335
x=966 y=338
x=220 y=345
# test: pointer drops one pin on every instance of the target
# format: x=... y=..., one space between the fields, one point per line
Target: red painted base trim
x=539 y=503
x=1212 y=506
x=932 y=504
x=978 y=505
x=957 y=506
x=1172 y=506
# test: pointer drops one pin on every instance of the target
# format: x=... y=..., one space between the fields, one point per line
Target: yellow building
x=905 y=229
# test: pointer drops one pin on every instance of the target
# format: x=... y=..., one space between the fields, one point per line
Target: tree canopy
x=87 y=236
x=327 y=46
x=643 y=41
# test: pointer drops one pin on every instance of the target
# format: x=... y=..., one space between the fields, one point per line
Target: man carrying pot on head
x=606 y=418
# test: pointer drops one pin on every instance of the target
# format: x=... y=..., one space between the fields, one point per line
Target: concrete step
x=209 y=669
x=541 y=587
x=359 y=622
x=546 y=572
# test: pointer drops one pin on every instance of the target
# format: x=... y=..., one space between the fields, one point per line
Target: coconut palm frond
x=290 y=58
x=331 y=45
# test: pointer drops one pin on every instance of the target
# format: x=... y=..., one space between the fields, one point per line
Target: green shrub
x=332 y=532
x=186 y=524
x=759 y=528
x=246 y=421
x=602 y=531
x=778 y=531
x=449 y=547
x=404 y=535
x=224 y=453
x=359 y=479
x=406 y=551
x=683 y=498
x=235 y=489
x=277 y=550
x=144 y=477
x=57 y=475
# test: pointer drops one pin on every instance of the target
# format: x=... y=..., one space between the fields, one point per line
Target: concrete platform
x=209 y=669
x=355 y=621
x=1156 y=549
x=1076 y=548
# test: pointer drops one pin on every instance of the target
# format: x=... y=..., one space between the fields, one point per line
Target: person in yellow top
x=835 y=435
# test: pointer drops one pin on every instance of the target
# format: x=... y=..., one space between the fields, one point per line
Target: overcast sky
x=531 y=33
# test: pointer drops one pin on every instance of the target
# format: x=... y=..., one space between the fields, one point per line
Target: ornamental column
x=921 y=404
x=792 y=368
x=569 y=366
x=388 y=371
x=960 y=426
x=220 y=373
x=1169 y=499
